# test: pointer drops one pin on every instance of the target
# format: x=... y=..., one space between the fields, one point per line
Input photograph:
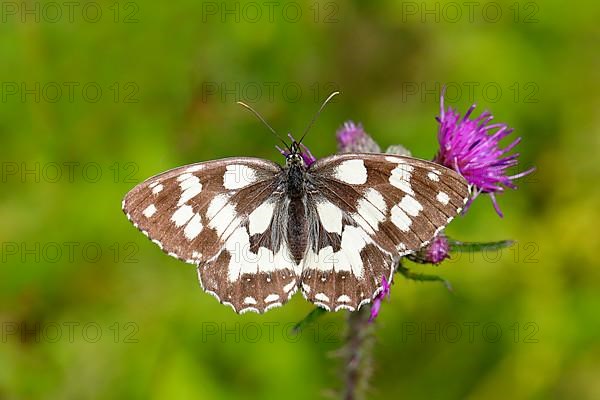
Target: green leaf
x=473 y=247
x=311 y=317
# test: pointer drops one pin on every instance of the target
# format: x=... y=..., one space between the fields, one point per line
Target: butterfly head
x=294 y=157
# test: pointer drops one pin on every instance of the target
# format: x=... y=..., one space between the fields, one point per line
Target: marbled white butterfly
x=258 y=231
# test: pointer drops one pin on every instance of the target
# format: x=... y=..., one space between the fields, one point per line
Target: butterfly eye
x=292 y=158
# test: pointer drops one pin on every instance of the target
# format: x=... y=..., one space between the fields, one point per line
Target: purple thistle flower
x=385 y=291
x=434 y=253
x=438 y=250
x=352 y=138
x=471 y=148
x=307 y=156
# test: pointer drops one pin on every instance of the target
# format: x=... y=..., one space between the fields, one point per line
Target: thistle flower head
x=434 y=252
x=352 y=138
x=385 y=291
x=438 y=250
x=472 y=148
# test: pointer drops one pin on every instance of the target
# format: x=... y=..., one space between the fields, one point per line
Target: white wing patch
x=149 y=211
x=322 y=297
x=344 y=299
x=400 y=178
x=353 y=241
x=400 y=219
x=348 y=258
x=410 y=205
x=216 y=204
x=194 y=168
x=433 y=176
x=330 y=216
x=260 y=219
x=376 y=199
x=271 y=298
x=157 y=189
x=238 y=176
x=190 y=186
x=443 y=198
x=373 y=214
x=193 y=227
x=243 y=261
x=182 y=215
x=222 y=216
x=238 y=245
x=352 y=172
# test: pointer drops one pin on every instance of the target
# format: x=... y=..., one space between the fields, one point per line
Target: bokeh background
x=97 y=96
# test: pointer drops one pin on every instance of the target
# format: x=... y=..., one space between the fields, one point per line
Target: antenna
x=327 y=100
x=253 y=111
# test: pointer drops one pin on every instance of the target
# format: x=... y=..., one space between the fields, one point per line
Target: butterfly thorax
x=296 y=172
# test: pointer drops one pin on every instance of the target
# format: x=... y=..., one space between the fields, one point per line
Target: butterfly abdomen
x=297 y=232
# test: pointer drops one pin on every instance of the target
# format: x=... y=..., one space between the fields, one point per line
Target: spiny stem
x=472 y=247
x=415 y=276
x=357 y=355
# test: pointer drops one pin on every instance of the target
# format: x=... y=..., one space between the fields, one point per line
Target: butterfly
x=334 y=229
x=258 y=231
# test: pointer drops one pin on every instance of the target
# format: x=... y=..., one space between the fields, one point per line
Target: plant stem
x=357 y=355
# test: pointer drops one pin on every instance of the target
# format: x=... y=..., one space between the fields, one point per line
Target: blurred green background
x=97 y=96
